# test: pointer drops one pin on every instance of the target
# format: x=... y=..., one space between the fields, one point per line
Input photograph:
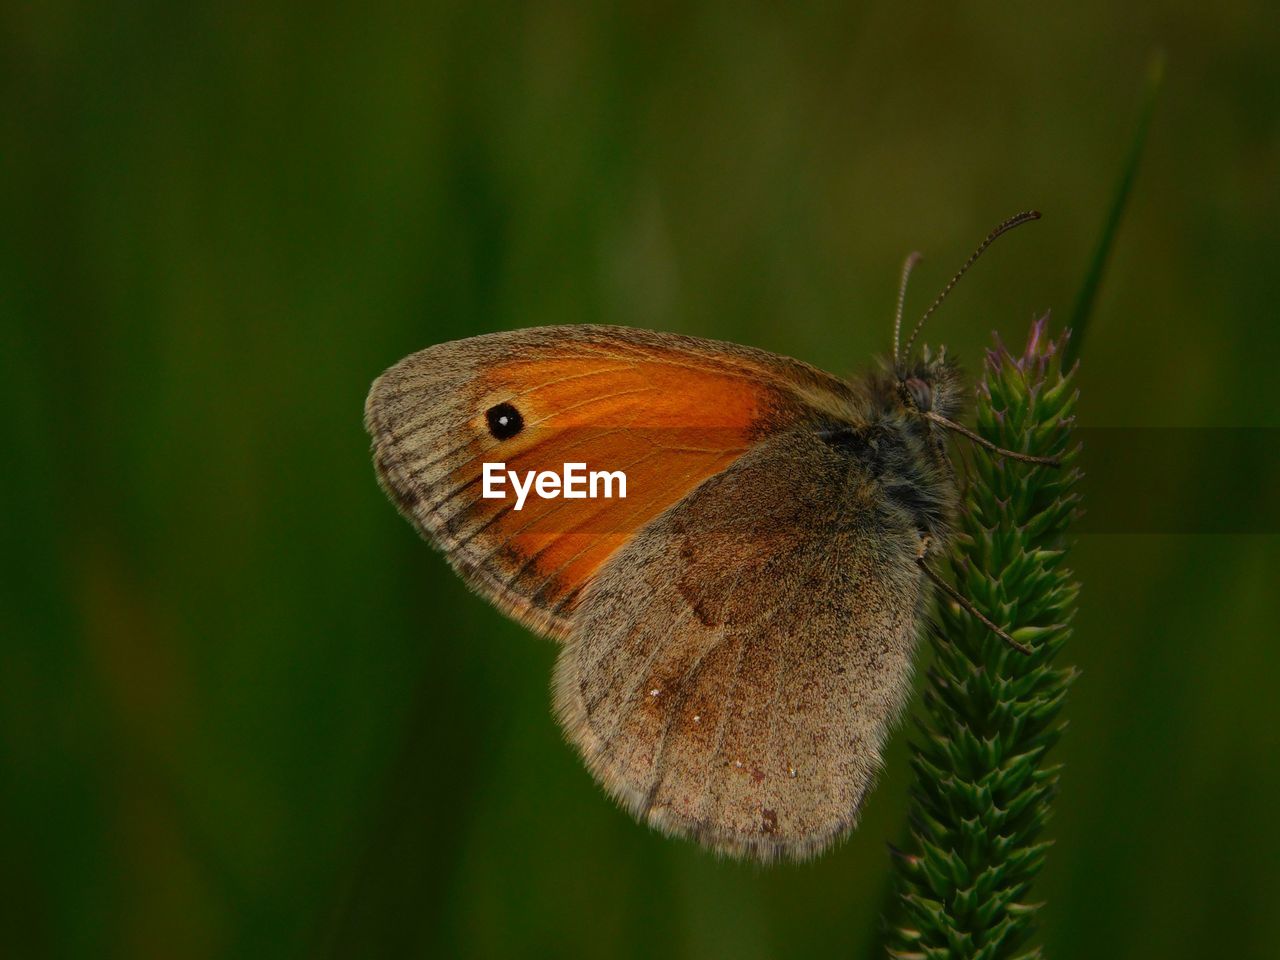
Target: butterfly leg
x=981 y=441
x=921 y=551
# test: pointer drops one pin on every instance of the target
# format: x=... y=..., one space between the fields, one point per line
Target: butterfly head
x=933 y=384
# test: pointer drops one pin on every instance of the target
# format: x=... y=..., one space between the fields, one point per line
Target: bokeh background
x=245 y=712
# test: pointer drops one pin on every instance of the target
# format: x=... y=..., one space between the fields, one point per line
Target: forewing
x=669 y=411
x=733 y=672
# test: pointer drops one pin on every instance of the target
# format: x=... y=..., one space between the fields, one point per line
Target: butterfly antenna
x=907 y=266
x=1014 y=221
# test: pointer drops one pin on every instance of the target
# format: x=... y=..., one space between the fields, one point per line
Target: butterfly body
x=738 y=632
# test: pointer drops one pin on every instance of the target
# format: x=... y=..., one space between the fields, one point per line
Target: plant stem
x=1087 y=295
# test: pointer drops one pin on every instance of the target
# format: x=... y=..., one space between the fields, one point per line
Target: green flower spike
x=983 y=789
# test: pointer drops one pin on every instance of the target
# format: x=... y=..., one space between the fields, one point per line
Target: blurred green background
x=244 y=711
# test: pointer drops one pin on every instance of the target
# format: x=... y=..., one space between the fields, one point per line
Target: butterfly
x=737 y=631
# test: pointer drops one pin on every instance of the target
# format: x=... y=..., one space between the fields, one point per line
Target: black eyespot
x=504 y=421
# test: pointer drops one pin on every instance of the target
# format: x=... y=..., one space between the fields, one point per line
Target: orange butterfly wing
x=668 y=411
